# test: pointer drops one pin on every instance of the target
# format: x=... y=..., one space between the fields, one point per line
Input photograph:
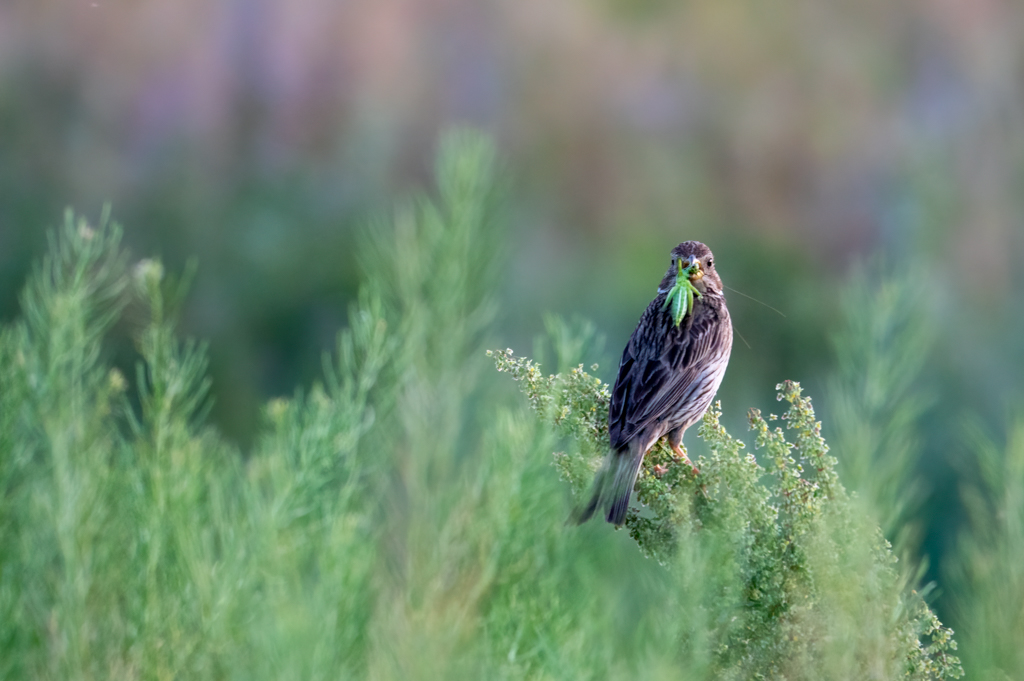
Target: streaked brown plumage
x=667 y=379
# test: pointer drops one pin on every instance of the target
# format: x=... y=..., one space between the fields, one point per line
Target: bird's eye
x=710 y=262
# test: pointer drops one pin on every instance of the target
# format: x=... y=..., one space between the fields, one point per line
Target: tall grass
x=402 y=518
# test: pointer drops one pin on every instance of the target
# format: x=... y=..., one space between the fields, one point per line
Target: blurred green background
x=797 y=139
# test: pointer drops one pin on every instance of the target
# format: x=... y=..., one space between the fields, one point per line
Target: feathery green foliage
x=875 y=400
x=797 y=584
x=401 y=519
x=988 y=574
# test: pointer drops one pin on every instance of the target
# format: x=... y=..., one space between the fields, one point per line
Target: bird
x=670 y=371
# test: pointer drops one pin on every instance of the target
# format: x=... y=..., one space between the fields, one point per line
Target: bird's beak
x=697 y=273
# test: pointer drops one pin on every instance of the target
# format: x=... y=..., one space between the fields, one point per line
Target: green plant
x=399 y=518
x=875 y=400
x=987 y=572
x=794 y=583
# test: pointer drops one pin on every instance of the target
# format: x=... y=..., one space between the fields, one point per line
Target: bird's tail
x=613 y=485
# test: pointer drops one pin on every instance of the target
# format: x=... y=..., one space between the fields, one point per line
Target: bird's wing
x=658 y=370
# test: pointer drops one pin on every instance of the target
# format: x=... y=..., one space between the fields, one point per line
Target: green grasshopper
x=680 y=296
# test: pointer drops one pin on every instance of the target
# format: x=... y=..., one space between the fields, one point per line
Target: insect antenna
x=757 y=301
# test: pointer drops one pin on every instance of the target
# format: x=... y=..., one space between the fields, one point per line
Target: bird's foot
x=681 y=455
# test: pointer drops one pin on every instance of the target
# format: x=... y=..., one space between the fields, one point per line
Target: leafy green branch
x=796 y=566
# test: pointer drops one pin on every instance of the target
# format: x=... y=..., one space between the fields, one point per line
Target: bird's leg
x=675 y=441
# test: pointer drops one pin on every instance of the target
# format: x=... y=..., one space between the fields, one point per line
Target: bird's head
x=695 y=260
